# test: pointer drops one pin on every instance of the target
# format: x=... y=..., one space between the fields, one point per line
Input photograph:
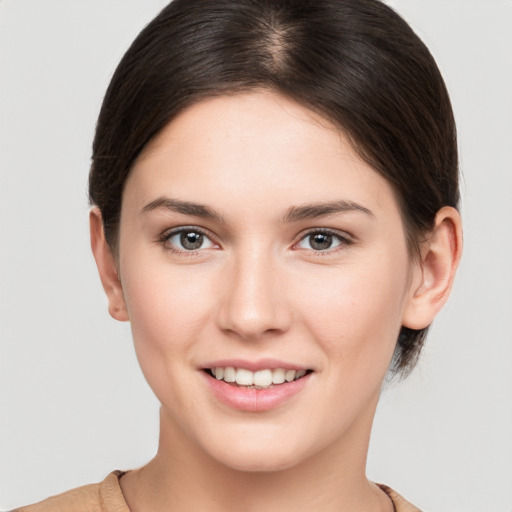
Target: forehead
x=254 y=117
x=255 y=145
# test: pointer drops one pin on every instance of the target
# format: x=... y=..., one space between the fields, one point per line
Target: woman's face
x=255 y=245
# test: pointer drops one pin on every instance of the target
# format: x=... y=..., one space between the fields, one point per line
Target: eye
x=187 y=240
x=322 y=241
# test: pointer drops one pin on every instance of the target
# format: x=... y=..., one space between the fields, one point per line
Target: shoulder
x=400 y=503
x=103 y=497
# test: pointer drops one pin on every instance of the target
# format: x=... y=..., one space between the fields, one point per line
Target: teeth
x=229 y=374
x=244 y=377
x=263 y=378
x=278 y=376
x=289 y=375
x=260 y=379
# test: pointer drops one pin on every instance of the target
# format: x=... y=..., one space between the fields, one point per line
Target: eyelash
x=166 y=237
x=343 y=240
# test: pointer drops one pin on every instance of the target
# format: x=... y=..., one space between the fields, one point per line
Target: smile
x=261 y=379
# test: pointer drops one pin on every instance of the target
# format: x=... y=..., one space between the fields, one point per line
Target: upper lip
x=254 y=366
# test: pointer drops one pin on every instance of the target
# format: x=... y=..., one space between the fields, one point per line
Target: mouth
x=260 y=379
x=256 y=386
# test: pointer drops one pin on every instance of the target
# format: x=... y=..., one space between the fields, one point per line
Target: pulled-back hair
x=355 y=62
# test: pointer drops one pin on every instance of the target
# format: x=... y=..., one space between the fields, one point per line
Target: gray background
x=74 y=405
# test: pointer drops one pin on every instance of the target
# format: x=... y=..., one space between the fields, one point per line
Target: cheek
x=159 y=307
x=168 y=312
x=357 y=313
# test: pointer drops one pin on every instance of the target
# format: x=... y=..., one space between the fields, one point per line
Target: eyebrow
x=315 y=210
x=183 y=207
x=293 y=214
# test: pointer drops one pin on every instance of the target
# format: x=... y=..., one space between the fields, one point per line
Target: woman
x=274 y=189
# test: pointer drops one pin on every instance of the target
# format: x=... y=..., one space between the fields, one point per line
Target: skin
x=257 y=288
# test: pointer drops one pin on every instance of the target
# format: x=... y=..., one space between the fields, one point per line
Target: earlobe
x=440 y=256
x=107 y=268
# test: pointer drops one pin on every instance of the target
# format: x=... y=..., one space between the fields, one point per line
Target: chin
x=261 y=455
x=256 y=463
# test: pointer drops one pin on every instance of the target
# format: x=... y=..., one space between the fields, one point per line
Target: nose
x=253 y=301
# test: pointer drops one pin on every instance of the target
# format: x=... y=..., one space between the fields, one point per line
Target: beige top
x=107 y=497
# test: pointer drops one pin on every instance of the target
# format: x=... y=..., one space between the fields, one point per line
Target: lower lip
x=255 y=400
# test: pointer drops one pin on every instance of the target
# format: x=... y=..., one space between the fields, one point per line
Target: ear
x=107 y=267
x=434 y=274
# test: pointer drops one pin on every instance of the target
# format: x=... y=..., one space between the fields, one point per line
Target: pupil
x=191 y=240
x=321 y=241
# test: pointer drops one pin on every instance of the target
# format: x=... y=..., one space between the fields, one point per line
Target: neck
x=182 y=477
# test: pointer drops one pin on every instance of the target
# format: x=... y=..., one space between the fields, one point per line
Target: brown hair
x=356 y=62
